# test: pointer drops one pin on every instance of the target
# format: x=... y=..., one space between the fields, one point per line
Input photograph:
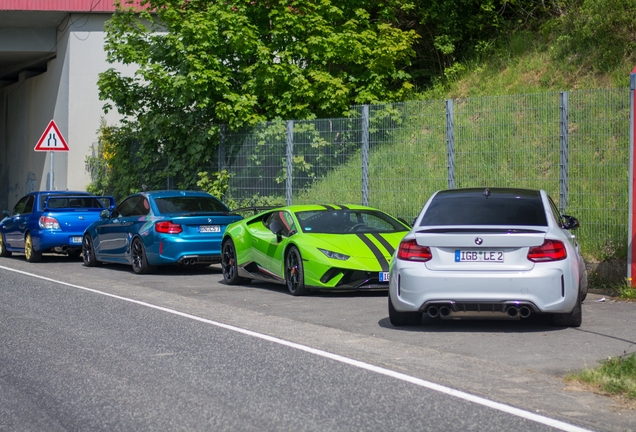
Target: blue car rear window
x=189 y=204
x=74 y=202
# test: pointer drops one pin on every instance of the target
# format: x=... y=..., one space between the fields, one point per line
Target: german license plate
x=76 y=240
x=210 y=228
x=384 y=276
x=478 y=256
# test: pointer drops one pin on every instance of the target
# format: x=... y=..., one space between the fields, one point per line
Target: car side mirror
x=6 y=213
x=104 y=214
x=570 y=222
x=277 y=228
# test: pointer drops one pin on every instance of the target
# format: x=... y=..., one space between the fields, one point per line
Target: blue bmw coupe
x=149 y=229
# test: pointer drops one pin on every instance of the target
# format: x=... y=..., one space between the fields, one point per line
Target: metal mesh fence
x=598 y=169
x=407 y=155
x=508 y=141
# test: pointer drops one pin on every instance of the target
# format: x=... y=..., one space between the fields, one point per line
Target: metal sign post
x=51 y=187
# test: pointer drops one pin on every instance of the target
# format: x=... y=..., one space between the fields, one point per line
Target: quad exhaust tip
x=432 y=311
x=524 y=311
x=444 y=311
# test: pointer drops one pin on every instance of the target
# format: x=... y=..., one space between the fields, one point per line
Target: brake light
x=48 y=222
x=550 y=250
x=409 y=250
x=168 y=228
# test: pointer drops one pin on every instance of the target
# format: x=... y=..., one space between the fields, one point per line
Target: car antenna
x=487 y=193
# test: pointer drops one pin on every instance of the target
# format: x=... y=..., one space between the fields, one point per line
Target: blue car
x=149 y=229
x=49 y=221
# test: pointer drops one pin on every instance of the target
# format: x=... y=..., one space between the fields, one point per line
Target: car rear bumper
x=547 y=288
x=172 y=250
x=46 y=240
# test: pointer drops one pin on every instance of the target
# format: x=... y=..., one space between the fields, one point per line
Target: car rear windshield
x=74 y=202
x=481 y=210
x=190 y=204
x=347 y=222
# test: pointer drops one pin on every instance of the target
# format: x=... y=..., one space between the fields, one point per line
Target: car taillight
x=409 y=250
x=550 y=250
x=168 y=228
x=47 y=222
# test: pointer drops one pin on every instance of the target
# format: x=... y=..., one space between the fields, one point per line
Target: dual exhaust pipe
x=442 y=311
x=189 y=261
x=521 y=312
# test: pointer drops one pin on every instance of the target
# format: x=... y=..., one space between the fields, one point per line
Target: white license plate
x=76 y=240
x=384 y=276
x=478 y=256
x=209 y=228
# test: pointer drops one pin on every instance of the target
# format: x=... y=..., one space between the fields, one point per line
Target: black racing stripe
x=375 y=250
x=344 y=207
x=328 y=207
x=390 y=249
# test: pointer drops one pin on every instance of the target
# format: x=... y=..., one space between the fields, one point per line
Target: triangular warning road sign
x=51 y=139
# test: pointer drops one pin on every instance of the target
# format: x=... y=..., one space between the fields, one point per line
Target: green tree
x=452 y=32
x=599 y=35
x=201 y=63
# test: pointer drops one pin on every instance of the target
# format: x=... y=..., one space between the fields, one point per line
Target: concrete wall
x=67 y=93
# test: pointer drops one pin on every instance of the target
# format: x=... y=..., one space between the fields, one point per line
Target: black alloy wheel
x=140 y=263
x=229 y=264
x=294 y=273
x=88 y=252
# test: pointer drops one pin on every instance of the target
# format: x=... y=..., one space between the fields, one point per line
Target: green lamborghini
x=313 y=247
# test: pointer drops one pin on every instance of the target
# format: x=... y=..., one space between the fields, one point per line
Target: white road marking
x=387 y=372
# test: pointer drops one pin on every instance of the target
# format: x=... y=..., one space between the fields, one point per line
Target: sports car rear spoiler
x=74 y=202
x=255 y=209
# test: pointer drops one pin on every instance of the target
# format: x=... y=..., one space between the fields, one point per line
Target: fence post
x=365 y=155
x=450 y=143
x=631 y=245
x=221 y=155
x=290 y=162
x=563 y=151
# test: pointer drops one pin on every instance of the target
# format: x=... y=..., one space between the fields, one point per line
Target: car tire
x=294 y=272
x=31 y=254
x=88 y=252
x=3 y=248
x=572 y=319
x=229 y=264
x=400 y=319
x=140 y=263
x=584 y=284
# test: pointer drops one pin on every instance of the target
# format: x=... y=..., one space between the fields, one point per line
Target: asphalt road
x=517 y=363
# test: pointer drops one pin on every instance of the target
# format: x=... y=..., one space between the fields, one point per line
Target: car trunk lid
x=480 y=248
